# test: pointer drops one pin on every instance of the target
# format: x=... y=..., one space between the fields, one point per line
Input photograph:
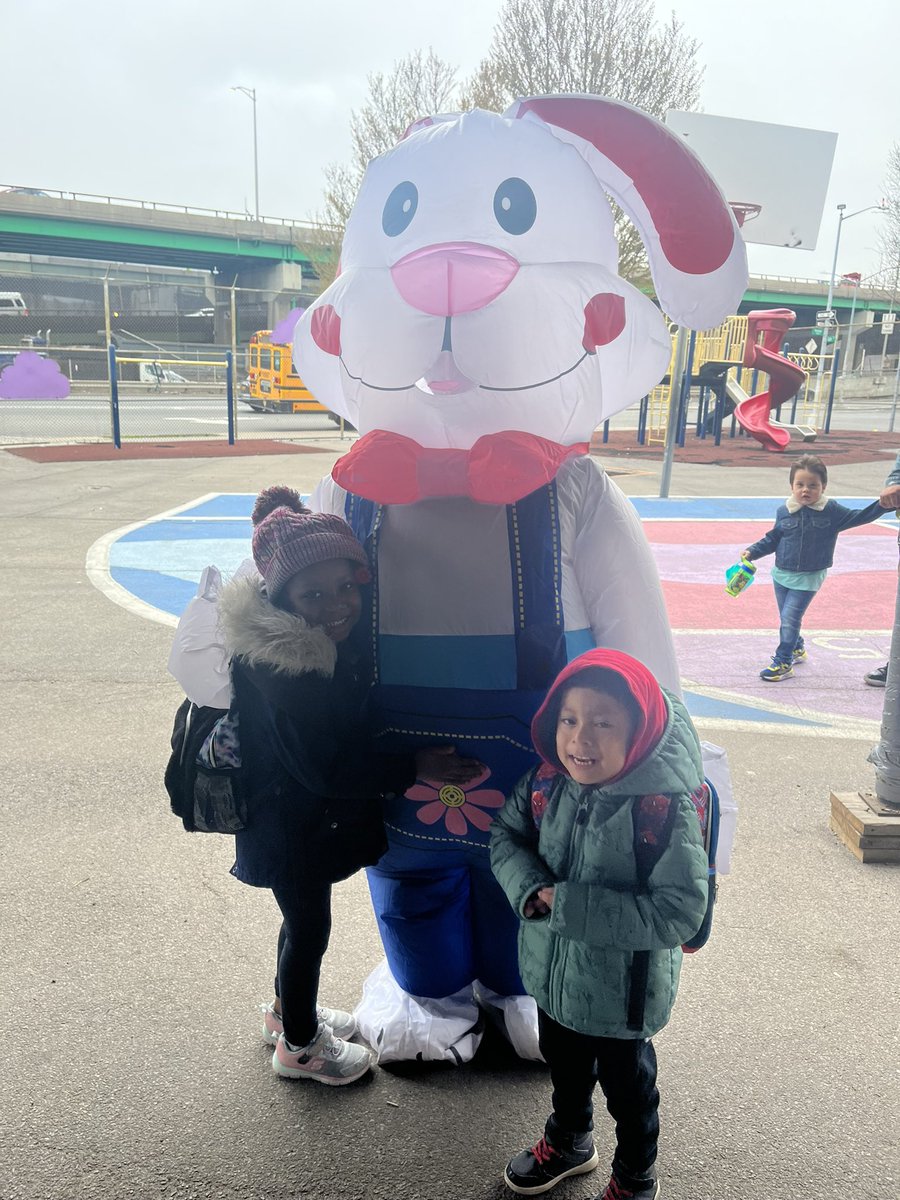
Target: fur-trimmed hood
x=263 y=635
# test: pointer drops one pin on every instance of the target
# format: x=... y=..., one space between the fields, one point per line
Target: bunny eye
x=515 y=206
x=399 y=208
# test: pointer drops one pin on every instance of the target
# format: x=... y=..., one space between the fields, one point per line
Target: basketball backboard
x=774 y=176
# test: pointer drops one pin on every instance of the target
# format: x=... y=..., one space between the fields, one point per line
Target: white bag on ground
x=516 y=1017
x=716 y=770
x=403 y=1028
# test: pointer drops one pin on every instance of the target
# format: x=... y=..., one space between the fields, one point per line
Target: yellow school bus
x=272 y=383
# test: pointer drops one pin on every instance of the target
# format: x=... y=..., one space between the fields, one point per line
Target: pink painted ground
x=847 y=627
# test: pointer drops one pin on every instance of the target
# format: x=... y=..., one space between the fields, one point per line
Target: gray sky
x=131 y=99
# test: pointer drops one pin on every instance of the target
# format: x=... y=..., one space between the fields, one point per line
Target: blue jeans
x=792 y=604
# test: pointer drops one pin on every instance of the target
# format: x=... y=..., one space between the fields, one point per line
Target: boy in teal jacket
x=600 y=941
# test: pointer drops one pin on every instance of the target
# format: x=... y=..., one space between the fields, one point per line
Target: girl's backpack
x=203 y=774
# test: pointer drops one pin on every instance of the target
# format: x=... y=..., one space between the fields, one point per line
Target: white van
x=152 y=372
x=12 y=302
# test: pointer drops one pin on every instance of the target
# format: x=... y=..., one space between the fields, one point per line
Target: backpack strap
x=544 y=783
x=653 y=817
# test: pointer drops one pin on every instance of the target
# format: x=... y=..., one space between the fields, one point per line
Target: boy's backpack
x=654 y=816
x=208 y=798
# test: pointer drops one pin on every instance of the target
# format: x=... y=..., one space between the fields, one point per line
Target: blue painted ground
x=161 y=561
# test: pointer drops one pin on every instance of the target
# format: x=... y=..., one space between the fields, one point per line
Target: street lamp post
x=251 y=94
x=827 y=323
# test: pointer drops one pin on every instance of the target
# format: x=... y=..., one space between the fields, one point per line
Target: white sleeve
x=615 y=571
x=328 y=497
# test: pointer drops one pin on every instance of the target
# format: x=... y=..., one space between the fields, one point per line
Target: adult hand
x=890 y=497
x=442 y=764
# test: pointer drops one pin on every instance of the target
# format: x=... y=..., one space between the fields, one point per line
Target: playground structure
x=736 y=370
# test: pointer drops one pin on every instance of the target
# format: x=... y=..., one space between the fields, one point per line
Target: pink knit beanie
x=288 y=537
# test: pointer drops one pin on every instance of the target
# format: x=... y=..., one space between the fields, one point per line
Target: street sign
x=826 y=317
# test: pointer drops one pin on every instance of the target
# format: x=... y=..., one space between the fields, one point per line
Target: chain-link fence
x=170 y=330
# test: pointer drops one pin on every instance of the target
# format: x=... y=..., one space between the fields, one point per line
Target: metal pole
x=255 y=155
x=675 y=388
x=886 y=755
x=825 y=325
x=229 y=392
x=106 y=309
x=114 y=397
x=834 y=373
x=233 y=405
x=849 y=352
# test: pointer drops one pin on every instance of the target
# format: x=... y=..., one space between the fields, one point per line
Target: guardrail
x=160 y=206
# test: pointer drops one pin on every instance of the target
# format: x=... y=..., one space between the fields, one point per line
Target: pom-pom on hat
x=287 y=537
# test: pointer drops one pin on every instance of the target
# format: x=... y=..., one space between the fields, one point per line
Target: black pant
x=302 y=942
x=625 y=1068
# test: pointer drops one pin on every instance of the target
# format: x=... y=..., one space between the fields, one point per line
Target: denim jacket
x=804 y=540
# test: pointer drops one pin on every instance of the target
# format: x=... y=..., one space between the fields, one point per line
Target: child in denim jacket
x=803 y=539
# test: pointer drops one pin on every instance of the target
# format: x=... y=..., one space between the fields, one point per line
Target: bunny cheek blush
x=476 y=337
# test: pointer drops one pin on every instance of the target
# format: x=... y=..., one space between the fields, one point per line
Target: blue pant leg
x=792 y=605
x=495 y=933
x=424 y=918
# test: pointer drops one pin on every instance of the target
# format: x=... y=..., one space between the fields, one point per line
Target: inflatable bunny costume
x=477 y=334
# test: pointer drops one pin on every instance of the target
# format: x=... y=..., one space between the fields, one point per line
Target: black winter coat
x=314 y=782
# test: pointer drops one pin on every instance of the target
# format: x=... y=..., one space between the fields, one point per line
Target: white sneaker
x=343 y=1024
x=327 y=1059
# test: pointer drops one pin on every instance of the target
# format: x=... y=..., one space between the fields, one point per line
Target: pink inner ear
x=325 y=327
x=604 y=320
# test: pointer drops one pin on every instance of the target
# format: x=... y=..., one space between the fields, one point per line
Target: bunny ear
x=697 y=256
x=425 y=122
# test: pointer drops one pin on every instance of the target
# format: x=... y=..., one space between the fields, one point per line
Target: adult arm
x=607 y=557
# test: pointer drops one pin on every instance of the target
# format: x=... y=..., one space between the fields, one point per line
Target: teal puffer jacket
x=577 y=961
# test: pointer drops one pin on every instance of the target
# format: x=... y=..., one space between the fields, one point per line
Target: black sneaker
x=544 y=1165
x=877 y=678
x=615 y=1190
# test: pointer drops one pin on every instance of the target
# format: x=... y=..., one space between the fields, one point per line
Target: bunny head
x=479 y=291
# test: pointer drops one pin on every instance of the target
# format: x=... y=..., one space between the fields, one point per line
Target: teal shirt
x=800 y=581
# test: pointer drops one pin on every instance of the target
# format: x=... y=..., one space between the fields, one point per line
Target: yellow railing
x=726 y=344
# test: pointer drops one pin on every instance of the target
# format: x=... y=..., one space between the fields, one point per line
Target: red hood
x=639 y=682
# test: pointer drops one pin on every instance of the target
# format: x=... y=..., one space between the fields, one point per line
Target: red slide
x=785 y=377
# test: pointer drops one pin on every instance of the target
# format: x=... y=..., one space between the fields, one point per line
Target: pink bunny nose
x=454 y=277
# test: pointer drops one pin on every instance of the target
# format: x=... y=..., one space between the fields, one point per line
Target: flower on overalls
x=458 y=806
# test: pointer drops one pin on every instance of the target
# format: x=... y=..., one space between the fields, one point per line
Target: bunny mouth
x=444 y=378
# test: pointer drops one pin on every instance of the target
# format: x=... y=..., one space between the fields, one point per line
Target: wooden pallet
x=870 y=830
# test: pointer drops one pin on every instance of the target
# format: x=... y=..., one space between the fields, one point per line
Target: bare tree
x=611 y=48
x=889 y=235
x=417 y=86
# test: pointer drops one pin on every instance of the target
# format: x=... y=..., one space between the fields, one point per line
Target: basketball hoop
x=744 y=212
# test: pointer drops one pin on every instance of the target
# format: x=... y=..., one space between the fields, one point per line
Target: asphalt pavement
x=132 y=963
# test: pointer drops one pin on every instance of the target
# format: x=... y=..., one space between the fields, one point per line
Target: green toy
x=739 y=577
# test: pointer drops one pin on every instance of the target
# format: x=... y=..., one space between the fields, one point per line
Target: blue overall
x=443 y=919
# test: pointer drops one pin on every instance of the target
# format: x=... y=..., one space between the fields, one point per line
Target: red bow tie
x=499 y=469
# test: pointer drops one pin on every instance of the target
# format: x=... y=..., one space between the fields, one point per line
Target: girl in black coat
x=314 y=781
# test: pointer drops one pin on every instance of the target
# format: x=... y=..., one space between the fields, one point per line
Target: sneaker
x=615 y=1190
x=343 y=1024
x=799 y=655
x=776 y=672
x=326 y=1059
x=544 y=1165
x=877 y=678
